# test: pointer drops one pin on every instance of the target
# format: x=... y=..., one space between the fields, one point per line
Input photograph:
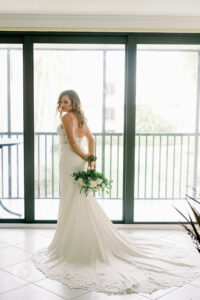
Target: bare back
x=80 y=132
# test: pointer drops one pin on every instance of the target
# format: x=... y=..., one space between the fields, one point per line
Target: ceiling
x=102 y=7
x=101 y=15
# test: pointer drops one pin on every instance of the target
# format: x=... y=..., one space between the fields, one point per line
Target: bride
x=87 y=251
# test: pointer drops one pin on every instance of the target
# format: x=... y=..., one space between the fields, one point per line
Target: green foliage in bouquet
x=91 y=180
x=92 y=158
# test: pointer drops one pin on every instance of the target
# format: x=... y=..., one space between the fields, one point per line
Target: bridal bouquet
x=91 y=180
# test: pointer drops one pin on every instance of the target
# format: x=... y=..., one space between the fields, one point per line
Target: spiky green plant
x=194 y=232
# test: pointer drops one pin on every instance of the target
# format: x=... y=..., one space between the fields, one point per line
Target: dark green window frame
x=130 y=40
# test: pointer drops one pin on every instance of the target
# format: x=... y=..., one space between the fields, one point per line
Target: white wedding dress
x=89 y=252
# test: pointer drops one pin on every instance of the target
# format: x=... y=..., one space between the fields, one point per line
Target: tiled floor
x=20 y=280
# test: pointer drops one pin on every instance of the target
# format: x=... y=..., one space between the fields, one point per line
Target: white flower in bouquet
x=93 y=183
x=80 y=181
x=99 y=181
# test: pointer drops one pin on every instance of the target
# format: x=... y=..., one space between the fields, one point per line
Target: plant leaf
x=192 y=198
x=196 y=214
x=180 y=213
x=195 y=230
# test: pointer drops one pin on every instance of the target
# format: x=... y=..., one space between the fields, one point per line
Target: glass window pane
x=11 y=132
x=96 y=72
x=166 y=130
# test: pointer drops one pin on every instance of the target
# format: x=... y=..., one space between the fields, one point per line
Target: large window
x=167 y=133
x=11 y=132
x=96 y=72
x=140 y=94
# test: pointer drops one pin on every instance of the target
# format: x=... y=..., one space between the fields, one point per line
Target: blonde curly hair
x=76 y=106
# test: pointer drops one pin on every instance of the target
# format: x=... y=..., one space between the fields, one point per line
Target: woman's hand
x=93 y=163
x=86 y=157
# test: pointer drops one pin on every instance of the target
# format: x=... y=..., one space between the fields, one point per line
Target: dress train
x=89 y=252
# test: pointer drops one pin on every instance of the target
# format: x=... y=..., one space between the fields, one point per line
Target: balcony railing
x=165 y=165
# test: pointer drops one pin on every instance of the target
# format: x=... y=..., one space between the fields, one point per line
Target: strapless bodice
x=63 y=137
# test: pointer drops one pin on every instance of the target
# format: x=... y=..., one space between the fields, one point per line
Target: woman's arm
x=91 y=146
x=91 y=141
x=68 y=126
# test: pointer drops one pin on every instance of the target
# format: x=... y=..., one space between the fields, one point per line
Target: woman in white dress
x=87 y=251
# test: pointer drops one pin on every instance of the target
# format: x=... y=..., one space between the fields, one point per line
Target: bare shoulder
x=70 y=115
x=67 y=119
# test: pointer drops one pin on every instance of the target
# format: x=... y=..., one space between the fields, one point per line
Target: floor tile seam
x=77 y=297
x=4 y=247
x=40 y=279
x=28 y=251
x=8 y=245
x=3 y=242
x=85 y=293
x=175 y=288
x=14 y=289
x=193 y=284
x=169 y=292
x=29 y=283
x=40 y=236
x=15 y=246
x=16 y=276
x=146 y=296
x=143 y=296
x=34 y=283
x=14 y=264
x=35 y=239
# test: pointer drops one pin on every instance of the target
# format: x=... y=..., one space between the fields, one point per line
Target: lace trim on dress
x=136 y=280
x=73 y=130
